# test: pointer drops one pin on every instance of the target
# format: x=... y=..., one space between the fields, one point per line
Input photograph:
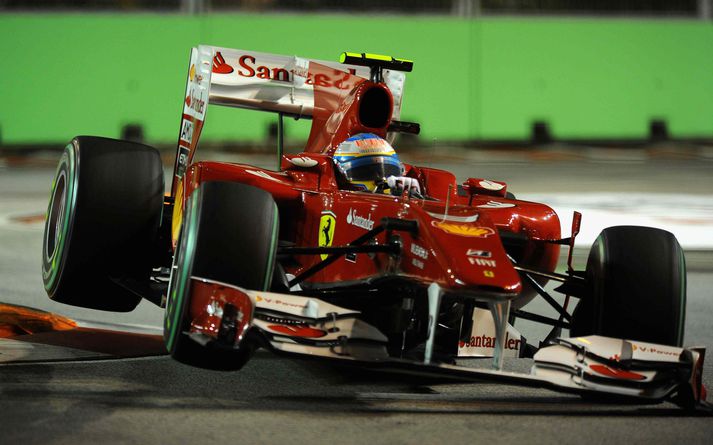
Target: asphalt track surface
x=277 y=400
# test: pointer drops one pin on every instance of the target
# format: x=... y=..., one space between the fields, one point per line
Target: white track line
x=689 y=217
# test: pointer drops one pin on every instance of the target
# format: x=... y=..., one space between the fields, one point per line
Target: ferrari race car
x=301 y=262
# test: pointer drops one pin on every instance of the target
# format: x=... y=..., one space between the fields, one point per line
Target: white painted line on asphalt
x=688 y=217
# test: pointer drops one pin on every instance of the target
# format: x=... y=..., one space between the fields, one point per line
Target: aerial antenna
x=280 y=139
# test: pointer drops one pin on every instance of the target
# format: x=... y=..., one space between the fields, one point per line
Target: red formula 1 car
x=414 y=272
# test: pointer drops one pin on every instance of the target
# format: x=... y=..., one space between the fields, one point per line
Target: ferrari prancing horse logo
x=326 y=231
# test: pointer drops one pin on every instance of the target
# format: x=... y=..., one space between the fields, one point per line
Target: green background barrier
x=486 y=79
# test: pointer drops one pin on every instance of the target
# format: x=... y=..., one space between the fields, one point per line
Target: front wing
x=309 y=327
x=595 y=365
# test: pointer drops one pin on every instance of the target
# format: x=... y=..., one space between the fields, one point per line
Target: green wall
x=66 y=74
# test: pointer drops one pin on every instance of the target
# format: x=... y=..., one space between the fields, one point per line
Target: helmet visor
x=372 y=168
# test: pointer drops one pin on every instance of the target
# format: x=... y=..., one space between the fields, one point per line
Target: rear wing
x=257 y=81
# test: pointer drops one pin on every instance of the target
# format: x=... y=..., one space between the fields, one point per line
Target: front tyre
x=229 y=235
x=636 y=278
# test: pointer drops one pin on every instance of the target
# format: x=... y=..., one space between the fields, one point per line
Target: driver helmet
x=366 y=160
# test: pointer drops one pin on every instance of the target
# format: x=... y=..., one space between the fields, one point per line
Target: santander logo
x=354 y=219
x=220 y=66
x=251 y=66
x=195 y=102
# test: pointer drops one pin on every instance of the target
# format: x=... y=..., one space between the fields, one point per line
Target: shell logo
x=463 y=229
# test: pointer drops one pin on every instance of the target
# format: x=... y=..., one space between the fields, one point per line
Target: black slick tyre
x=229 y=235
x=102 y=220
x=636 y=280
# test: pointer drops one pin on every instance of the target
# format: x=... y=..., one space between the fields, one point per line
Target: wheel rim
x=60 y=214
x=54 y=226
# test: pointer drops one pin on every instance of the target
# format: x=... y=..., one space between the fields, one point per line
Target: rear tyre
x=102 y=220
x=636 y=278
x=229 y=234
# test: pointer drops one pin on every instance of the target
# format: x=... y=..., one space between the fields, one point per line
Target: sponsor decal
x=490 y=185
x=453 y=218
x=249 y=66
x=417 y=263
x=486 y=341
x=327 y=223
x=249 y=69
x=616 y=373
x=496 y=205
x=480 y=341
x=463 y=229
x=187 y=131
x=195 y=102
x=359 y=221
x=489 y=274
x=483 y=262
x=419 y=251
x=262 y=174
x=479 y=253
x=260 y=298
x=182 y=161
x=351 y=257
x=303 y=161
x=220 y=66
x=653 y=350
x=192 y=75
x=297 y=330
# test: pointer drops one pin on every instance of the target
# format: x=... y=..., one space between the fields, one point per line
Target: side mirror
x=480 y=186
x=299 y=161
